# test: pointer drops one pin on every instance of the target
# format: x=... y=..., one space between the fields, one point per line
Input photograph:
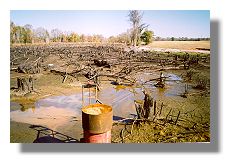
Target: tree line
x=136 y=35
x=181 y=39
x=27 y=34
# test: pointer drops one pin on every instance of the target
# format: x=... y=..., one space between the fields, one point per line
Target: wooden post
x=160 y=112
x=89 y=95
x=154 y=107
x=177 y=118
x=96 y=93
x=82 y=97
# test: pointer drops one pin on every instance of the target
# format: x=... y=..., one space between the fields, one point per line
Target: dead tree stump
x=143 y=111
x=25 y=84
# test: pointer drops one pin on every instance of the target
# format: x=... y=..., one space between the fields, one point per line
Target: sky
x=164 y=23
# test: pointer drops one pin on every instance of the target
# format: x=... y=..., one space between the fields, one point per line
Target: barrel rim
x=105 y=108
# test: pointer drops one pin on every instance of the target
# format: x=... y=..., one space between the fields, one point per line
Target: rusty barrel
x=97 y=121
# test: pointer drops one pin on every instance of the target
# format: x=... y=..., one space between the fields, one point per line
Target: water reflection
x=121 y=98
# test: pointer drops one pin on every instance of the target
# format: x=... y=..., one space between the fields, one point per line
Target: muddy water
x=173 y=87
x=56 y=111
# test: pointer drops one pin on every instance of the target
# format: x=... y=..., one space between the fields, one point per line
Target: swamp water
x=59 y=111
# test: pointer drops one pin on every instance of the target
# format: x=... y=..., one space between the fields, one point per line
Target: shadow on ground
x=46 y=135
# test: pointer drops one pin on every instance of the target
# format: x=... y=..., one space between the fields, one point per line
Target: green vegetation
x=193 y=124
x=202 y=81
x=168 y=133
x=21 y=133
x=190 y=73
x=147 y=36
x=20 y=34
x=26 y=34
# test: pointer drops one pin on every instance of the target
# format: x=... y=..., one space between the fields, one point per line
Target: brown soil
x=75 y=61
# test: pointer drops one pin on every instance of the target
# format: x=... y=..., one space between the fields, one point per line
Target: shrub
x=190 y=73
x=147 y=36
x=202 y=81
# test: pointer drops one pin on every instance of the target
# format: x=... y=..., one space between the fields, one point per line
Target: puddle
x=173 y=85
x=57 y=111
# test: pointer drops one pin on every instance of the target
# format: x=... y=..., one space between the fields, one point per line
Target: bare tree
x=56 y=35
x=42 y=34
x=135 y=17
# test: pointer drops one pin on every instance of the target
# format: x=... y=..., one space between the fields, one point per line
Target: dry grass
x=182 y=45
x=193 y=124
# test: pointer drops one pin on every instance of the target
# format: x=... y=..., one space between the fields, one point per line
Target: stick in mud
x=177 y=118
x=167 y=116
x=160 y=112
x=154 y=107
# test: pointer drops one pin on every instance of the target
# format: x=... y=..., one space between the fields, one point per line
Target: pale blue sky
x=164 y=23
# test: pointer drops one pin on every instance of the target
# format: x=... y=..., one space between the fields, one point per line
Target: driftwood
x=132 y=81
x=101 y=63
x=32 y=59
